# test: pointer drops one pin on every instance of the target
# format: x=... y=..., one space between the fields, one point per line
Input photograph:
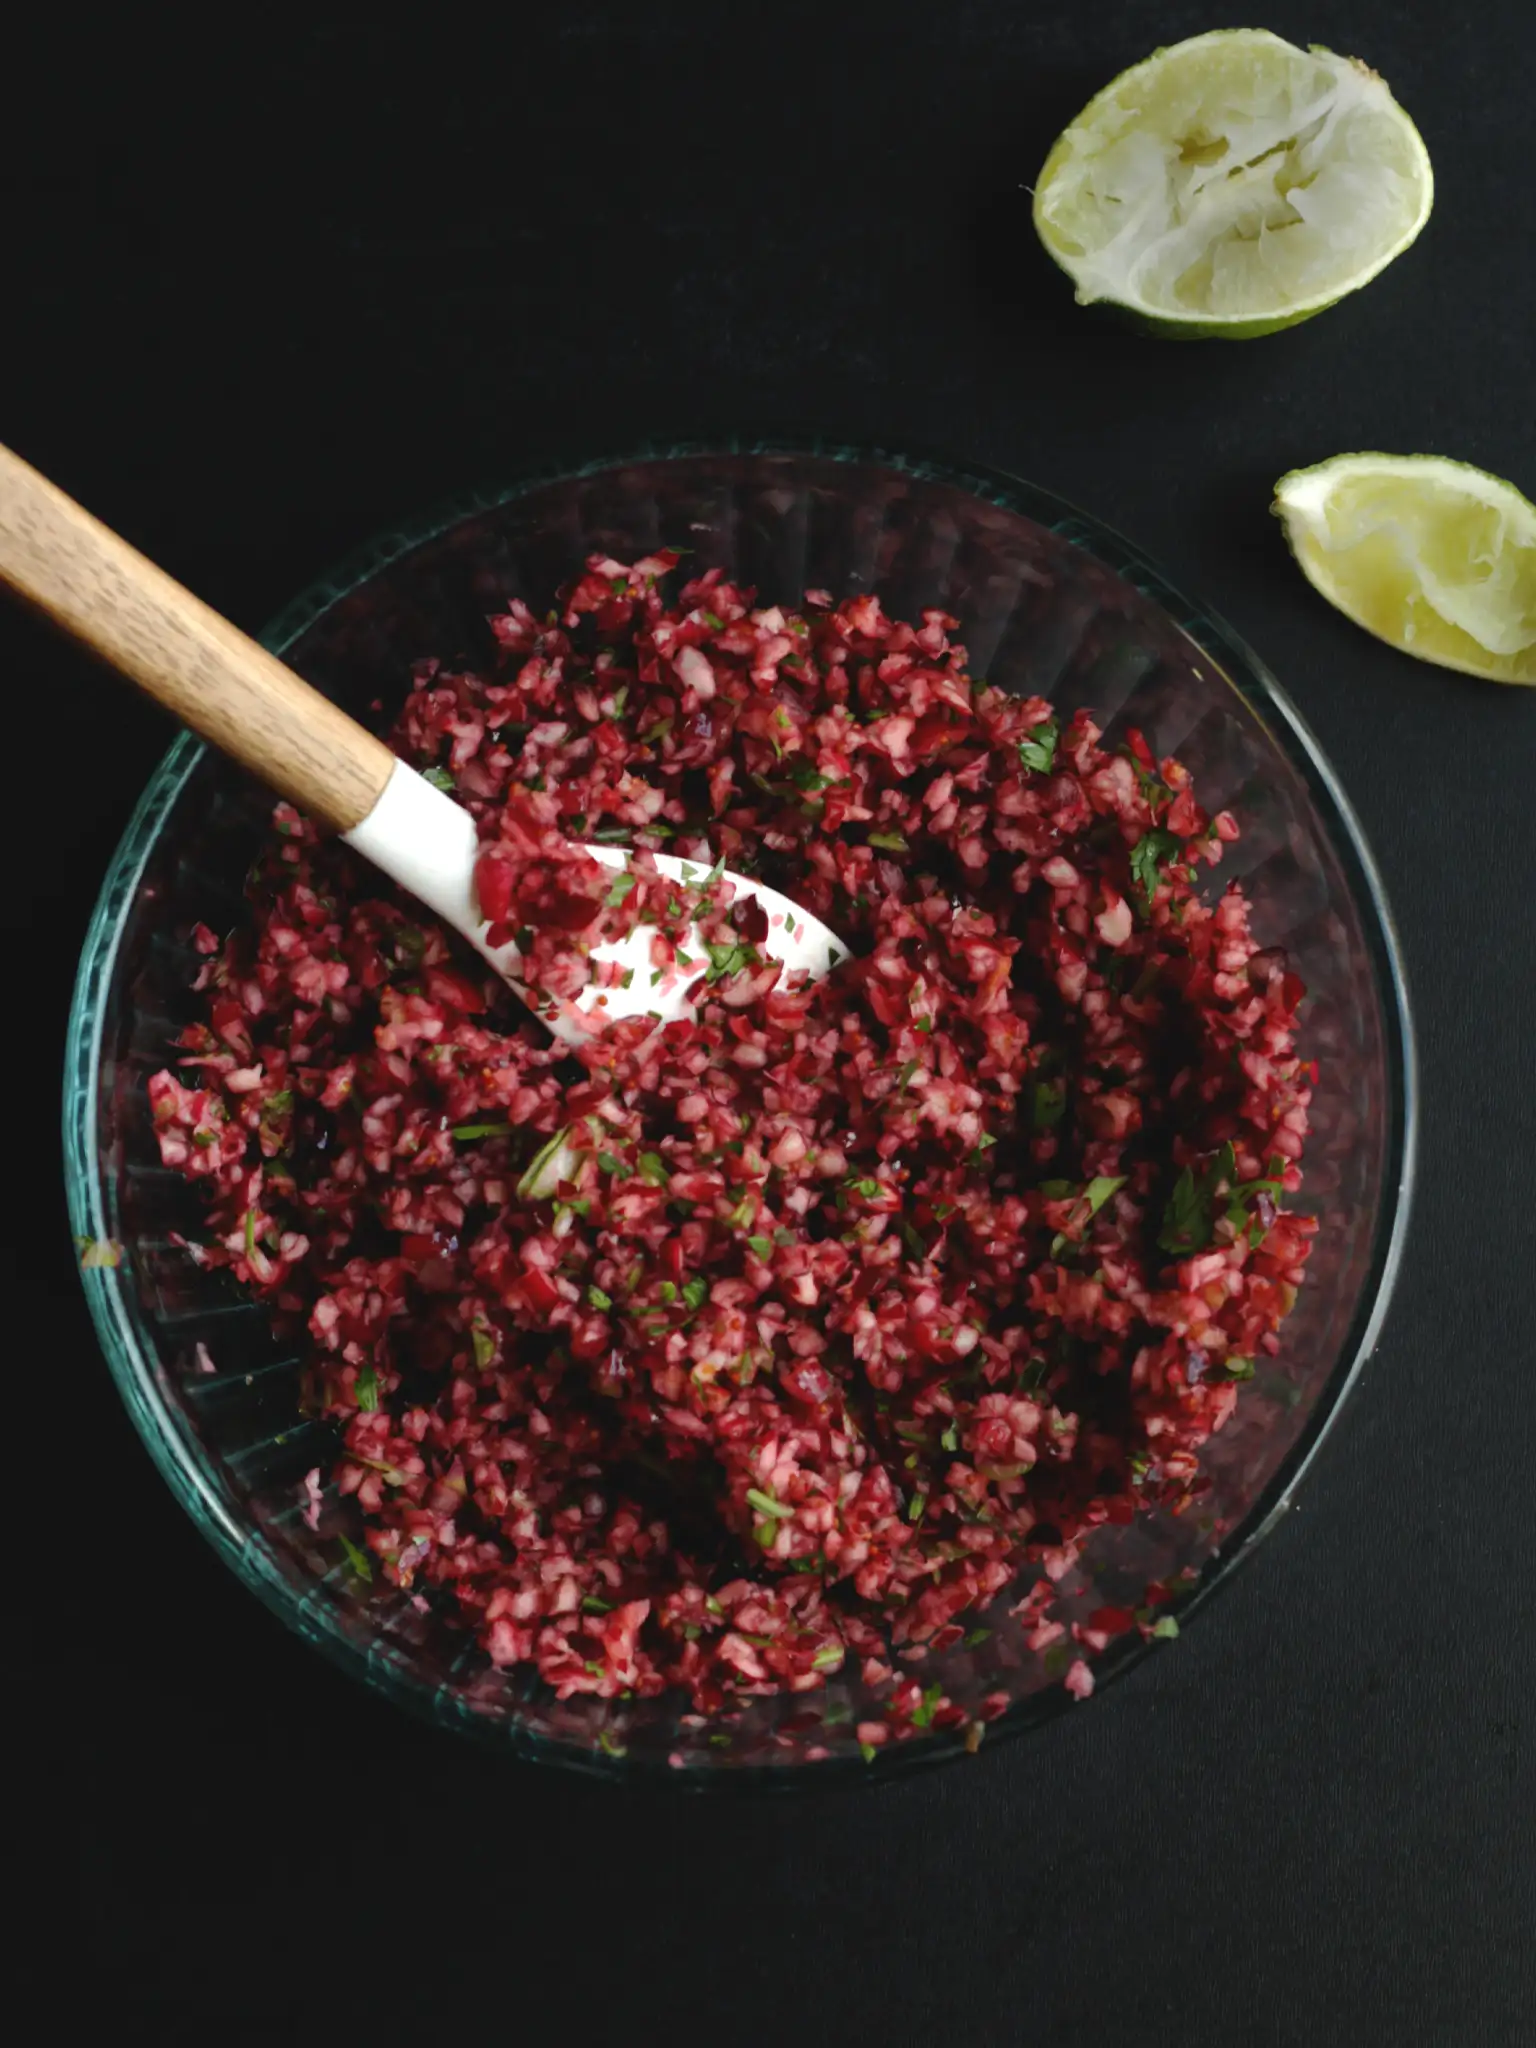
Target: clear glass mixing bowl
x=1049 y=602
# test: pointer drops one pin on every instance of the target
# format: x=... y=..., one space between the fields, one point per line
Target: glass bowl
x=1049 y=602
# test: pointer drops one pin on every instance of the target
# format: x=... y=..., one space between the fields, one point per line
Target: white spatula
x=245 y=702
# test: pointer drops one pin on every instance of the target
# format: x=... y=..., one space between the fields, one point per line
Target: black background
x=271 y=288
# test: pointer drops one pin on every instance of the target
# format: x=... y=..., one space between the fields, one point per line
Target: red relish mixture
x=728 y=1354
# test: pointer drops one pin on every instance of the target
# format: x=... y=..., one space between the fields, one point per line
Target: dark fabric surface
x=268 y=290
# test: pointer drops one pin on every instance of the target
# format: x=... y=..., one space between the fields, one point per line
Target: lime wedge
x=1233 y=185
x=1436 y=557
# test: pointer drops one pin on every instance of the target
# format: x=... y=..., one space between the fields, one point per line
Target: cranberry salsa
x=724 y=1354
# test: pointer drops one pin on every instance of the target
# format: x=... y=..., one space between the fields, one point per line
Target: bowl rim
x=112 y=1303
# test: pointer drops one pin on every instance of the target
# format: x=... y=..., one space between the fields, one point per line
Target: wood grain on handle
x=209 y=673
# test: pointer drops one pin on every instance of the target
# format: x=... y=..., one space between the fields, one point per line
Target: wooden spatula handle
x=209 y=673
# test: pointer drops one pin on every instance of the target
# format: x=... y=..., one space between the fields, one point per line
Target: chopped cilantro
x=1099 y=1190
x=653 y=1168
x=1050 y=1104
x=1147 y=856
x=622 y=885
x=1186 y=1225
x=598 y=1300
x=727 y=959
x=696 y=1293
x=762 y=1247
x=358 y=1559
x=485 y=1345
x=464 y=1132
x=1037 y=749
x=922 y=1715
x=889 y=842
x=439 y=778
x=591 y=1604
x=828 y=1657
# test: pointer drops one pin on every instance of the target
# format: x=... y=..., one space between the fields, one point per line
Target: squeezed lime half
x=1233 y=185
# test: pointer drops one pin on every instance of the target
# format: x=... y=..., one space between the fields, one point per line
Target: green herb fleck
x=1167 y=1628
x=622 y=885
x=358 y=1559
x=653 y=1168
x=1147 y=856
x=598 y=1300
x=696 y=1293
x=1037 y=749
x=465 y=1132
x=762 y=1247
x=485 y=1346
x=1099 y=1190
x=922 y=1716
x=1186 y=1225
x=439 y=778
x=1050 y=1104
x=367 y=1390
x=889 y=842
